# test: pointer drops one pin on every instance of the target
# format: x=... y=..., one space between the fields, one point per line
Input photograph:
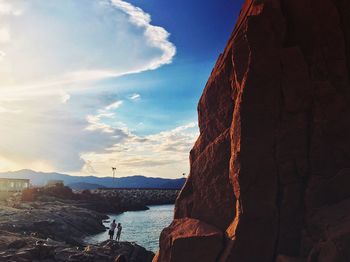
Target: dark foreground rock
x=52 y=251
x=56 y=220
x=271 y=167
x=53 y=230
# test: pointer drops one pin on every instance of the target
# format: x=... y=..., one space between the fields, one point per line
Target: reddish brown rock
x=213 y=205
x=186 y=238
x=271 y=165
x=30 y=194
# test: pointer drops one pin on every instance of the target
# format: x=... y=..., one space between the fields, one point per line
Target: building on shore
x=13 y=185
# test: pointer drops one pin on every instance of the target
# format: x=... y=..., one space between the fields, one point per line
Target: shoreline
x=54 y=229
x=52 y=223
x=140 y=227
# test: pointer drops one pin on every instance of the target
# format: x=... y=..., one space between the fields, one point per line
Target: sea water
x=141 y=227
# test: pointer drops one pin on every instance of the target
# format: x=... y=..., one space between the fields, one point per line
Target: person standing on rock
x=119 y=232
x=111 y=229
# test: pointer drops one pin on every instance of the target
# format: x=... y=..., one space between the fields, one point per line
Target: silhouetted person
x=119 y=231
x=111 y=229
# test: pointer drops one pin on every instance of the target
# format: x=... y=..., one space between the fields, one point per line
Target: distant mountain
x=175 y=183
x=41 y=178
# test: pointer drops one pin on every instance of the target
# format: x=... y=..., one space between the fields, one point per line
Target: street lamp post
x=113 y=172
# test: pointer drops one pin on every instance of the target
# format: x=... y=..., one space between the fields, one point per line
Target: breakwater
x=105 y=200
x=143 y=196
x=126 y=199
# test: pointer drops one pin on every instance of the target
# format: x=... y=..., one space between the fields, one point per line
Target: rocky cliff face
x=270 y=171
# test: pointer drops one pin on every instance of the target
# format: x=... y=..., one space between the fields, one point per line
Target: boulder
x=184 y=239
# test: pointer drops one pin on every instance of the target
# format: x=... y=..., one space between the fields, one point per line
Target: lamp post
x=113 y=172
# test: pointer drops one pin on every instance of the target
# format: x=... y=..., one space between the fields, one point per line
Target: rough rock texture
x=187 y=237
x=53 y=231
x=53 y=251
x=271 y=167
x=50 y=219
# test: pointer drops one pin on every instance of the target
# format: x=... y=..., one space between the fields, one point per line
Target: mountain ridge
x=137 y=181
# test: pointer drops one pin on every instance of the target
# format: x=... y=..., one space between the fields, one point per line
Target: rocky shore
x=47 y=226
x=25 y=250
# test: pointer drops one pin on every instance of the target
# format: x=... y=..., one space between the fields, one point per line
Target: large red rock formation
x=271 y=167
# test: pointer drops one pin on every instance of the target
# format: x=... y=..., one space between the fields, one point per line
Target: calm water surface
x=142 y=227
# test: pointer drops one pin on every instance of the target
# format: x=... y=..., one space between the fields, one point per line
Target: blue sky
x=111 y=83
x=199 y=30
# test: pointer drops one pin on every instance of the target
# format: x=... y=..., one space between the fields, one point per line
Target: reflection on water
x=142 y=227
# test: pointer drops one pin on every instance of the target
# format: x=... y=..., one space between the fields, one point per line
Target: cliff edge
x=270 y=171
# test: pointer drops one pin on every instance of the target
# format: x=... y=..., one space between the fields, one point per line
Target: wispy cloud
x=95 y=122
x=64 y=97
x=114 y=105
x=135 y=97
x=9 y=110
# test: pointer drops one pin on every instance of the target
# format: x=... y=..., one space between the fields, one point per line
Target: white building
x=13 y=185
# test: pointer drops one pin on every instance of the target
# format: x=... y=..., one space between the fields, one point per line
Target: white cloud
x=95 y=122
x=8 y=110
x=164 y=154
x=135 y=97
x=7 y=8
x=5 y=36
x=49 y=136
x=2 y=55
x=156 y=36
x=64 y=97
x=114 y=105
x=45 y=52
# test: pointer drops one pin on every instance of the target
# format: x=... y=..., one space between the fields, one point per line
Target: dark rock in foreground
x=56 y=220
x=52 y=229
x=51 y=251
x=271 y=167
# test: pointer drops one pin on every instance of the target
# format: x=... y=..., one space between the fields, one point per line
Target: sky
x=90 y=85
